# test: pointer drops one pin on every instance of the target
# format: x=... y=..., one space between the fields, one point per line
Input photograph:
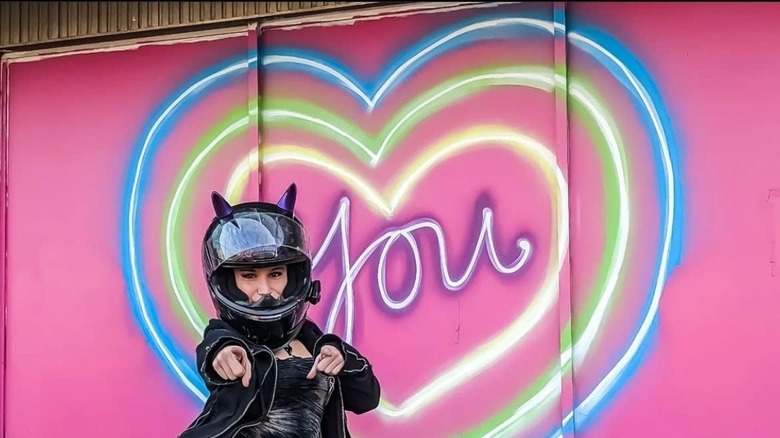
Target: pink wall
x=591 y=256
x=708 y=369
x=76 y=299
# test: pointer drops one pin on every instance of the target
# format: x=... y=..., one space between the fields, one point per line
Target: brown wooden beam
x=30 y=25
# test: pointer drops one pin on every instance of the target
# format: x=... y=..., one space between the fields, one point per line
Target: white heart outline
x=594 y=397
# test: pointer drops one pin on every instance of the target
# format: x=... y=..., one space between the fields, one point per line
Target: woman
x=270 y=371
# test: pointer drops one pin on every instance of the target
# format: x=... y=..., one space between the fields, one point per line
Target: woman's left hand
x=329 y=361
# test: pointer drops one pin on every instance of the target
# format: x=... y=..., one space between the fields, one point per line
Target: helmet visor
x=256 y=239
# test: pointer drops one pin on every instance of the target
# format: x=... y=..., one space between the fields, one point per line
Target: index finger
x=247 y=373
x=313 y=371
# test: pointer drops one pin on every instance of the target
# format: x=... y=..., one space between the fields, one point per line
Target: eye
x=248 y=275
x=275 y=274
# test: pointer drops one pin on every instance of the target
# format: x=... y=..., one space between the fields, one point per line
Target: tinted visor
x=255 y=238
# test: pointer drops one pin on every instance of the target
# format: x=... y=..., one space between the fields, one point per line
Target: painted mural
x=495 y=196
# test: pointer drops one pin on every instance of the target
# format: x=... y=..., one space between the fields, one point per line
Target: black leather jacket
x=231 y=407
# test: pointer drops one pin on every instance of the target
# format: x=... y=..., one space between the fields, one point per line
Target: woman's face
x=255 y=283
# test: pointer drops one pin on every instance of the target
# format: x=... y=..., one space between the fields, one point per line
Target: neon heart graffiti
x=608 y=52
x=464 y=369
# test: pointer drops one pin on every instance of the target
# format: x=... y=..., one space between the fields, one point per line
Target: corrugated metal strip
x=24 y=23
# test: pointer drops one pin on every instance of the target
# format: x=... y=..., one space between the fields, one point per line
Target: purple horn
x=221 y=207
x=287 y=201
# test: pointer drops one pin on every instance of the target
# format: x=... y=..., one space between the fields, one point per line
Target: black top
x=299 y=402
x=231 y=408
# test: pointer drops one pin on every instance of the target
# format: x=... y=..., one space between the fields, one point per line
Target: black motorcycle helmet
x=257 y=235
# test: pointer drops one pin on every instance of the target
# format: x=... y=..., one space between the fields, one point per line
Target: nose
x=263 y=289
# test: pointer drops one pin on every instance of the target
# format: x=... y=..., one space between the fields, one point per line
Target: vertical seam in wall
x=253 y=104
x=4 y=136
x=260 y=89
x=562 y=147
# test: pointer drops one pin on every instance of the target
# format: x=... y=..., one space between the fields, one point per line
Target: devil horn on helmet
x=287 y=201
x=221 y=207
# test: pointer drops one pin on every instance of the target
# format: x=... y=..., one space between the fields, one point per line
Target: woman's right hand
x=231 y=363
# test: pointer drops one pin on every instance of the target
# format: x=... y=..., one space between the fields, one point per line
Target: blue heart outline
x=605 y=49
